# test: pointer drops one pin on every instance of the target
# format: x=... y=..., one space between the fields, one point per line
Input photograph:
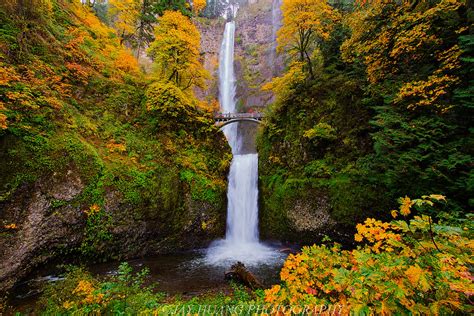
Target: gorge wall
x=87 y=171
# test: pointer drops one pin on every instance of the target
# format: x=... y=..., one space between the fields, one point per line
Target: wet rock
x=41 y=228
x=311 y=215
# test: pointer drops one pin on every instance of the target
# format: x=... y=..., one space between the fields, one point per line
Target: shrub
x=404 y=266
x=81 y=294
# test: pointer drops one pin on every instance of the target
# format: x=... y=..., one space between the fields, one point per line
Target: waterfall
x=242 y=213
x=227 y=83
x=242 y=241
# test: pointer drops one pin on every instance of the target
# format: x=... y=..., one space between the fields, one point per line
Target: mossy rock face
x=87 y=171
x=302 y=216
x=50 y=208
x=43 y=225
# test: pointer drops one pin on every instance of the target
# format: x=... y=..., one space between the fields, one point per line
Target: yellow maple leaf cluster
x=87 y=291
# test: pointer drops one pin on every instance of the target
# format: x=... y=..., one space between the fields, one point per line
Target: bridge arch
x=232 y=121
x=230 y=118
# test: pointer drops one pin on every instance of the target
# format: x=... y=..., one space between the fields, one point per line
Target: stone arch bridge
x=223 y=119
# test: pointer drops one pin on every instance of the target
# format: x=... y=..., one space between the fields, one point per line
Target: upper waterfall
x=226 y=70
x=227 y=83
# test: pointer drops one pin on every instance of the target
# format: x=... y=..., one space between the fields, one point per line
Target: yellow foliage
x=428 y=92
x=379 y=234
x=11 y=226
x=392 y=274
x=90 y=21
x=126 y=62
x=405 y=206
x=86 y=289
x=83 y=288
x=312 y=18
x=282 y=86
x=209 y=106
x=198 y=6
x=118 y=59
x=68 y=305
x=124 y=15
x=410 y=36
x=114 y=147
x=305 y=24
x=176 y=51
x=413 y=274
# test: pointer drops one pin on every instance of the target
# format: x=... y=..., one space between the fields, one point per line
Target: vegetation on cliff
x=376 y=103
x=73 y=99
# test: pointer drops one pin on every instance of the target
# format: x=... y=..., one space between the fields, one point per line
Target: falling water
x=242 y=215
x=242 y=241
x=227 y=83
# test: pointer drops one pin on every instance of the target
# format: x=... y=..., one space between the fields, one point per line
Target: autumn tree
x=306 y=23
x=176 y=51
x=124 y=15
x=198 y=6
x=134 y=20
x=28 y=9
x=415 y=55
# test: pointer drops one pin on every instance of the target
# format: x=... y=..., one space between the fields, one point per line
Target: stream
x=186 y=274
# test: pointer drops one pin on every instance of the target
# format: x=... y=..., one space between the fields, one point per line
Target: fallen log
x=239 y=273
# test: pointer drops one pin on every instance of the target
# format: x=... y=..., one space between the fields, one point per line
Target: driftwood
x=239 y=273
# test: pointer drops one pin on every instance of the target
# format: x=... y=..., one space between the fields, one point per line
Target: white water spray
x=242 y=240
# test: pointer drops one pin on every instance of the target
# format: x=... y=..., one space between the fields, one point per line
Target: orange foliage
x=209 y=106
x=114 y=147
x=305 y=24
x=404 y=267
x=88 y=49
x=93 y=209
x=410 y=35
x=78 y=72
x=87 y=290
x=198 y=6
x=126 y=62
x=11 y=226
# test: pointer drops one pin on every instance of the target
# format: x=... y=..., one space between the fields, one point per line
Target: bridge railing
x=229 y=116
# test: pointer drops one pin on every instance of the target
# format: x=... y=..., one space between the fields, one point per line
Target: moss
x=202 y=188
x=132 y=168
